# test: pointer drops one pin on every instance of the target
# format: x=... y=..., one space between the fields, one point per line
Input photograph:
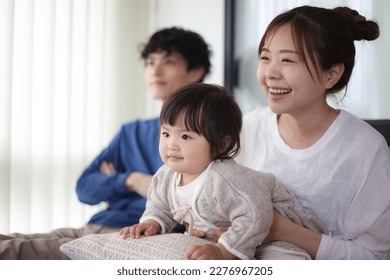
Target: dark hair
x=210 y=111
x=327 y=35
x=189 y=44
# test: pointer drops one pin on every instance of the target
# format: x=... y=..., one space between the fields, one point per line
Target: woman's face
x=285 y=78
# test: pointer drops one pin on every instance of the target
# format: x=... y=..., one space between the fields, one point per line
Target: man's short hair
x=189 y=44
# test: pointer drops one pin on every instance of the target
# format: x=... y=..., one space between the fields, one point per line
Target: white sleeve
x=367 y=221
x=339 y=249
x=157 y=204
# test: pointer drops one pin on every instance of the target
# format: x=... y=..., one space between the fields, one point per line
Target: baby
x=201 y=184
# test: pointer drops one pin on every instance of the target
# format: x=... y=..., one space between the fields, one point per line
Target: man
x=121 y=174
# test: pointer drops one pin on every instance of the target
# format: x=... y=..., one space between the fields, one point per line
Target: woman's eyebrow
x=289 y=51
x=281 y=51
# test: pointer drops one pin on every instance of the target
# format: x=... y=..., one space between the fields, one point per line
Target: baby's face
x=184 y=151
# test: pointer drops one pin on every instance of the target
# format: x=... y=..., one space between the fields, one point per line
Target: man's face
x=165 y=73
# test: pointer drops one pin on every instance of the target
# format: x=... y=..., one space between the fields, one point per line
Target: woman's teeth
x=279 y=91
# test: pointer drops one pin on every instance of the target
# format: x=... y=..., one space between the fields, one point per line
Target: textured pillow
x=111 y=246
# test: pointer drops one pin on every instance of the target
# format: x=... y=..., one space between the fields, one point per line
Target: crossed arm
x=136 y=181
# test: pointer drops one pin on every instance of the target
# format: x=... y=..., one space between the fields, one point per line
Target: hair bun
x=359 y=18
x=361 y=28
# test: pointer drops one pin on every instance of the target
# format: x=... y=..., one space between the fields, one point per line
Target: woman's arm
x=282 y=229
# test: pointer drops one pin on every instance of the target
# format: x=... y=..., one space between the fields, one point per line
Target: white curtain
x=70 y=75
x=367 y=95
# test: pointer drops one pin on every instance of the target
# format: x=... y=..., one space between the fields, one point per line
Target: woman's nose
x=272 y=71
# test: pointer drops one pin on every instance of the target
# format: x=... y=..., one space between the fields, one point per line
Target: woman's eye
x=287 y=60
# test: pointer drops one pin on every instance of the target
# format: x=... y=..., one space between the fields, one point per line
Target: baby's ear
x=226 y=142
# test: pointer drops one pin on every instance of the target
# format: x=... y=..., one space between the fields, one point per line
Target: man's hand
x=136 y=181
x=107 y=168
x=139 y=183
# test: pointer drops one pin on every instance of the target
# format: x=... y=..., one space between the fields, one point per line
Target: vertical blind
x=70 y=74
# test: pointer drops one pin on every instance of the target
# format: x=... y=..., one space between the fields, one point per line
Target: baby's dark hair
x=327 y=35
x=189 y=44
x=210 y=111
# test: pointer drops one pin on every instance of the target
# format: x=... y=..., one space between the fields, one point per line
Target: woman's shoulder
x=358 y=140
x=355 y=128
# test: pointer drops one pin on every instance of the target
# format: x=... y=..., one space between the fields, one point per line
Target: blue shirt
x=133 y=149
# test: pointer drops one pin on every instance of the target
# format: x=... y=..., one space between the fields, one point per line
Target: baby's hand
x=209 y=252
x=124 y=232
x=147 y=228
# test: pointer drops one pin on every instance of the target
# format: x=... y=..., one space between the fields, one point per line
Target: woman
x=336 y=164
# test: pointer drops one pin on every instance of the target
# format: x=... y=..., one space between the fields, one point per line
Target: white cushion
x=111 y=246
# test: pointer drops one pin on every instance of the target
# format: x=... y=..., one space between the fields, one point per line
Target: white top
x=344 y=179
x=185 y=202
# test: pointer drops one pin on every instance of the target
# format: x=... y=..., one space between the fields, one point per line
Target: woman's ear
x=196 y=74
x=334 y=75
